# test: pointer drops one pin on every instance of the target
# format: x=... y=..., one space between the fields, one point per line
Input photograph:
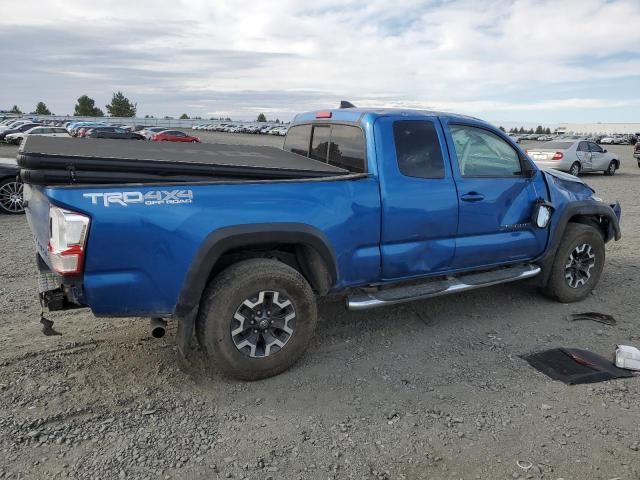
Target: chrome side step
x=435 y=288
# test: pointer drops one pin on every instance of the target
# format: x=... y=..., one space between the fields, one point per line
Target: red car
x=173 y=136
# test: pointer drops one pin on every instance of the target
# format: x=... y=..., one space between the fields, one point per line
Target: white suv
x=41 y=131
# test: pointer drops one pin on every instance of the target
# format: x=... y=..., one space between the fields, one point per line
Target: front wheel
x=256 y=318
x=578 y=264
x=611 y=169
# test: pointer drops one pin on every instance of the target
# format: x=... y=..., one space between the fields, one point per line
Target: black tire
x=568 y=284
x=611 y=169
x=575 y=169
x=11 y=200
x=228 y=293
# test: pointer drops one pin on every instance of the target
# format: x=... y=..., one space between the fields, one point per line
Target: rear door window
x=595 y=148
x=320 y=142
x=347 y=148
x=297 y=139
x=417 y=149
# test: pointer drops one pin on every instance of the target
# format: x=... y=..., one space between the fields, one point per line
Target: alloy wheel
x=11 y=198
x=263 y=324
x=581 y=261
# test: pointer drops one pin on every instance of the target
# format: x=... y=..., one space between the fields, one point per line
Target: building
x=600 y=128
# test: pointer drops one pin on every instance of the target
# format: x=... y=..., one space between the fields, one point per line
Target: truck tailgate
x=37 y=213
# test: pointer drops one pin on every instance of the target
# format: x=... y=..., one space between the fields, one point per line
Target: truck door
x=599 y=160
x=585 y=156
x=496 y=199
x=419 y=198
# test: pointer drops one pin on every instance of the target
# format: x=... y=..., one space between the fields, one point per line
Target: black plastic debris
x=47 y=327
x=593 y=316
x=574 y=366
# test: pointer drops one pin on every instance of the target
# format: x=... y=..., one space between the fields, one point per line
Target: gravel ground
x=429 y=390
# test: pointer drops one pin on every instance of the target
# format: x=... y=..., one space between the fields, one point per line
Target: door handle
x=472 y=197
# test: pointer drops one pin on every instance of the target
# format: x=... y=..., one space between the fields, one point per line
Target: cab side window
x=418 y=149
x=483 y=154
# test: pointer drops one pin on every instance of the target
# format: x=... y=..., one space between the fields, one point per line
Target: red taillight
x=557 y=156
x=323 y=115
x=67 y=238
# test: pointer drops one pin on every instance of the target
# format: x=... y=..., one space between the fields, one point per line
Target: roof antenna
x=345 y=104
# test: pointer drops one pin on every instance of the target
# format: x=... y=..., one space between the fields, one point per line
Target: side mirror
x=542 y=214
x=605 y=150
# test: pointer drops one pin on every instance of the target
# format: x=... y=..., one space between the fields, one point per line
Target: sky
x=507 y=61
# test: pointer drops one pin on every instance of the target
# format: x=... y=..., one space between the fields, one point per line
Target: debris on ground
x=593 y=316
x=627 y=357
x=574 y=366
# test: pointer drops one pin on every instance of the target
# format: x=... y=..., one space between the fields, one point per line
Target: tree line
x=120 y=106
x=539 y=130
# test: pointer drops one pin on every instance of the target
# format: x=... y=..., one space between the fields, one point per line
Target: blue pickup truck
x=380 y=206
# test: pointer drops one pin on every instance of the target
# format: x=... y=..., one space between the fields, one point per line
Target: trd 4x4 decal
x=154 y=197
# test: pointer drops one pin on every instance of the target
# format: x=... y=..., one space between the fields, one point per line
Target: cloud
x=522 y=57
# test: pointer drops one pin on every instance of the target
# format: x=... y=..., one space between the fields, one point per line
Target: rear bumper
x=57 y=293
x=561 y=165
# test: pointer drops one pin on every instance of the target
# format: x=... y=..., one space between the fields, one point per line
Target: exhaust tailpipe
x=158 y=327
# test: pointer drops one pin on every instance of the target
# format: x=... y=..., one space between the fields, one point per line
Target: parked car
x=44 y=131
x=575 y=157
x=14 y=124
x=173 y=136
x=149 y=131
x=76 y=128
x=11 y=188
x=113 y=132
x=381 y=206
x=19 y=129
x=636 y=152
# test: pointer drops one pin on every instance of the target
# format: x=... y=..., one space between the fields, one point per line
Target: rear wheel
x=578 y=264
x=611 y=169
x=11 y=200
x=575 y=169
x=256 y=318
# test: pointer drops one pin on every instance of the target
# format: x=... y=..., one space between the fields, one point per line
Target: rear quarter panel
x=138 y=255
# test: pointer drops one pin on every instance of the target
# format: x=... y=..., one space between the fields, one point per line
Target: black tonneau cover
x=51 y=161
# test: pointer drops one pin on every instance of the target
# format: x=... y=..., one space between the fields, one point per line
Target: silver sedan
x=575 y=157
